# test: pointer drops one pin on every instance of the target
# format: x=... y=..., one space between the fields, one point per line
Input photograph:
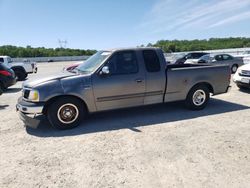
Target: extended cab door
x=124 y=86
x=155 y=65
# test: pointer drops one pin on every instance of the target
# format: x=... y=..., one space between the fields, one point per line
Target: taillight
x=5 y=73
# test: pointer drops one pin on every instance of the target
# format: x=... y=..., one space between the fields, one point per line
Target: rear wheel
x=1 y=88
x=234 y=68
x=20 y=75
x=198 y=97
x=66 y=113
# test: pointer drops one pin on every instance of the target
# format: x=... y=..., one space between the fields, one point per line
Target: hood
x=41 y=80
x=245 y=67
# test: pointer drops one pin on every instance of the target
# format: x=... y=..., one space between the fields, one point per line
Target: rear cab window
x=151 y=60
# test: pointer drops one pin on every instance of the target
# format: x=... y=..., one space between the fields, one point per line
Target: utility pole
x=62 y=43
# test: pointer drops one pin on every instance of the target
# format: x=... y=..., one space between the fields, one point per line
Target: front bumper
x=245 y=85
x=29 y=107
x=28 y=112
x=238 y=80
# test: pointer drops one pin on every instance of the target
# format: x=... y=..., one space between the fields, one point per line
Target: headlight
x=31 y=95
x=34 y=95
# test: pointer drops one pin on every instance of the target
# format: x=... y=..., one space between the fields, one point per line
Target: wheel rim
x=68 y=113
x=234 y=68
x=199 y=97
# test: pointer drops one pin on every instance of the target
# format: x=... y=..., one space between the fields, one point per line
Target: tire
x=57 y=113
x=1 y=88
x=234 y=68
x=241 y=87
x=21 y=75
x=198 y=97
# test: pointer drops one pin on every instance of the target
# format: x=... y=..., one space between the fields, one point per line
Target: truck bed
x=181 y=78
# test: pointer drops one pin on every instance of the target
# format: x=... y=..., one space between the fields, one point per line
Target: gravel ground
x=154 y=146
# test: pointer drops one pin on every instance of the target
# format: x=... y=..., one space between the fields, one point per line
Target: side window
x=189 y=56
x=123 y=63
x=151 y=60
x=1 y=60
x=218 y=58
x=227 y=57
x=196 y=56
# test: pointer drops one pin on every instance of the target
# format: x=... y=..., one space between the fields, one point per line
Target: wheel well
x=50 y=101
x=18 y=68
x=1 y=83
x=209 y=86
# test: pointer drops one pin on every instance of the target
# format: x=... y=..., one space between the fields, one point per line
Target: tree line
x=14 y=51
x=166 y=45
x=201 y=45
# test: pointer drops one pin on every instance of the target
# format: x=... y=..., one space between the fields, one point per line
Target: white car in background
x=21 y=69
x=242 y=77
x=246 y=60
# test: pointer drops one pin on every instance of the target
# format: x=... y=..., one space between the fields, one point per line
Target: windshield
x=205 y=57
x=93 y=62
x=9 y=60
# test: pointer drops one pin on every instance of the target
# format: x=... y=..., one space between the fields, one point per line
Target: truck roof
x=134 y=48
x=4 y=56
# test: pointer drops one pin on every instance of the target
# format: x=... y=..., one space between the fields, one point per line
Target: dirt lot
x=155 y=146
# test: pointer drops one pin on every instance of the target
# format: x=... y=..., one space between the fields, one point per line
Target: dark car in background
x=7 y=78
x=227 y=59
x=190 y=57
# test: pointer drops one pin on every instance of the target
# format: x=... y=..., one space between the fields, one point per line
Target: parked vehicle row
x=21 y=69
x=116 y=79
x=10 y=71
x=7 y=78
x=212 y=59
x=226 y=59
x=190 y=57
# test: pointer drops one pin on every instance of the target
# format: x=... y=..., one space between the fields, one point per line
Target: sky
x=99 y=24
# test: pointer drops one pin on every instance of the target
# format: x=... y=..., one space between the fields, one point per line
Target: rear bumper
x=9 y=81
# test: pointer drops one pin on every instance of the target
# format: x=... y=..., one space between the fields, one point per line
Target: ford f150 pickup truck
x=119 y=78
x=21 y=69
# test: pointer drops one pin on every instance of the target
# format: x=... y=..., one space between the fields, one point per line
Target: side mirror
x=105 y=70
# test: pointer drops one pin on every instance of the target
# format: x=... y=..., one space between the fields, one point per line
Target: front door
x=124 y=86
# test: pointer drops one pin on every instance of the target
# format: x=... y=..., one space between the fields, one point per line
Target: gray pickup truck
x=119 y=78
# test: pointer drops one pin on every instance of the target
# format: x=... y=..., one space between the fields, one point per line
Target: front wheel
x=234 y=68
x=198 y=97
x=66 y=113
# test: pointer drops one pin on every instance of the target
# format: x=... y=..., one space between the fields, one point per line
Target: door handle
x=138 y=80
